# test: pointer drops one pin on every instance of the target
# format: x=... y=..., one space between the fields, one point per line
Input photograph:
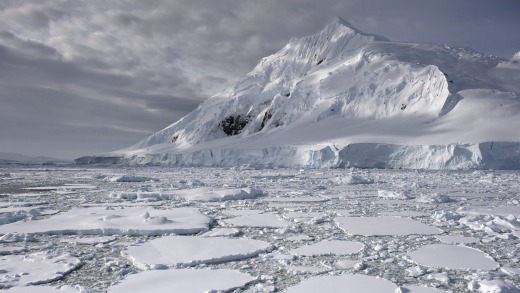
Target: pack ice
x=344 y=98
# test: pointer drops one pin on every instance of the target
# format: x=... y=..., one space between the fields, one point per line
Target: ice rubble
x=182 y=280
x=342 y=98
x=121 y=221
x=175 y=251
x=334 y=247
x=195 y=194
x=35 y=268
x=260 y=220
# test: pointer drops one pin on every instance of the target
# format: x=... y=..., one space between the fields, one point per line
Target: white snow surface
x=453 y=257
x=174 y=251
x=35 y=268
x=344 y=284
x=370 y=226
x=342 y=98
x=182 y=280
x=122 y=221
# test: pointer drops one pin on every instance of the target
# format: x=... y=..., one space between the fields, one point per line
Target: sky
x=83 y=77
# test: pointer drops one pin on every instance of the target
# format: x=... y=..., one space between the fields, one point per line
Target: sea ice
x=123 y=221
x=452 y=257
x=450 y=239
x=393 y=194
x=496 y=286
x=222 y=232
x=35 y=268
x=172 y=251
x=131 y=178
x=260 y=220
x=218 y=194
x=420 y=289
x=4 y=250
x=40 y=289
x=182 y=280
x=368 y=226
x=337 y=247
x=344 y=284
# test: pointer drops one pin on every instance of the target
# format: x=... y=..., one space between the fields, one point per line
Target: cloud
x=100 y=75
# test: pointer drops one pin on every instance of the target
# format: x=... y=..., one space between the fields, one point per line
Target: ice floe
x=368 y=226
x=452 y=257
x=35 y=268
x=126 y=221
x=339 y=284
x=174 y=251
x=182 y=280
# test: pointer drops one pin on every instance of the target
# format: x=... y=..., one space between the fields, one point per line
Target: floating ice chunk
x=222 y=232
x=352 y=179
x=109 y=221
x=130 y=178
x=440 y=277
x=450 y=239
x=173 y=251
x=393 y=194
x=261 y=220
x=40 y=289
x=182 y=280
x=420 y=289
x=216 y=194
x=434 y=198
x=35 y=268
x=339 y=284
x=452 y=257
x=368 y=226
x=496 y=286
x=444 y=216
x=346 y=264
x=338 y=247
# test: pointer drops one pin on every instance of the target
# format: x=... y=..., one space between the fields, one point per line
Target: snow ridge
x=343 y=98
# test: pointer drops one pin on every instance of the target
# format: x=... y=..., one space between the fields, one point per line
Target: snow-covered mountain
x=344 y=98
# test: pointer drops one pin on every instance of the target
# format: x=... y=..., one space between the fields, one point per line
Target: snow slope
x=343 y=98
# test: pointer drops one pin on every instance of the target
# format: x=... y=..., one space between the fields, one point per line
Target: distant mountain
x=14 y=158
x=344 y=98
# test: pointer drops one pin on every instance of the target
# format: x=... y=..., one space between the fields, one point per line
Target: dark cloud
x=80 y=77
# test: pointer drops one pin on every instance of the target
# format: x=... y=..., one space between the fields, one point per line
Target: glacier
x=344 y=98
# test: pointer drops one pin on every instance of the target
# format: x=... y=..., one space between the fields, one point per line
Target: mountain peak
x=341 y=21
